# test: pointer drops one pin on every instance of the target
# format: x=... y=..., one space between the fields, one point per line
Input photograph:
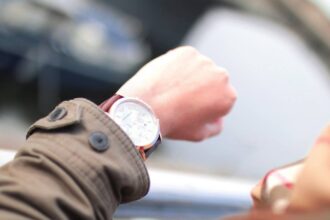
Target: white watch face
x=137 y=120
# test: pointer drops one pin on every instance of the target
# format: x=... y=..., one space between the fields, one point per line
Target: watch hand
x=127 y=116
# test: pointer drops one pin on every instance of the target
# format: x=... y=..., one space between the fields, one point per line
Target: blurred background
x=276 y=51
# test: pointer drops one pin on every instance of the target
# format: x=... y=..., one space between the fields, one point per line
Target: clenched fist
x=189 y=93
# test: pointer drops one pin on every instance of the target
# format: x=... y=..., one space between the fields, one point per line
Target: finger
x=226 y=104
x=214 y=128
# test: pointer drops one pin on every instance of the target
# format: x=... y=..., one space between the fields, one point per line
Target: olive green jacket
x=76 y=164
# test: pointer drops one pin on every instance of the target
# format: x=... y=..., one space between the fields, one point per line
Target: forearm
x=65 y=170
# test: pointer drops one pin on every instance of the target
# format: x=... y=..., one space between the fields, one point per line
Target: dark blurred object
x=56 y=50
x=70 y=48
x=166 y=22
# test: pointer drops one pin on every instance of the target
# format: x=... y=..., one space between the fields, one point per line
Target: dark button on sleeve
x=99 y=141
x=57 y=114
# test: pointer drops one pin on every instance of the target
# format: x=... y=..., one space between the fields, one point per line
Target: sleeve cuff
x=93 y=150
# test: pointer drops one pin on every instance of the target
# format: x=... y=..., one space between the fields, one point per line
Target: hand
x=189 y=93
x=311 y=191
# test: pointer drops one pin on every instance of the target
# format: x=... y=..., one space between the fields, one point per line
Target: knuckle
x=198 y=137
x=231 y=98
x=230 y=92
x=224 y=74
x=216 y=128
x=189 y=50
x=225 y=78
x=207 y=61
x=227 y=101
x=233 y=94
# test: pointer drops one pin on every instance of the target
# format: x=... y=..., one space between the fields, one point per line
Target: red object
x=106 y=105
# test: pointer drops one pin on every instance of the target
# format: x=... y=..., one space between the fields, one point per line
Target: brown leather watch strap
x=106 y=105
x=150 y=150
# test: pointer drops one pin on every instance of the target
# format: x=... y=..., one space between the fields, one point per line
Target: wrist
x=161 y=112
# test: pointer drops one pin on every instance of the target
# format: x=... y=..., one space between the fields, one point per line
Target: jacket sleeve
x=76 y=164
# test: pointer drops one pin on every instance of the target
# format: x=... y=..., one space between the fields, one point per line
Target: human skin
x=312 y=191
x=188 y=92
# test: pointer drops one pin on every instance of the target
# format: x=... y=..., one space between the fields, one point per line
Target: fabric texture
x=62 y=173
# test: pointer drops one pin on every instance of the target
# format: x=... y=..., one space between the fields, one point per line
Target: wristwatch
x=137 y=120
